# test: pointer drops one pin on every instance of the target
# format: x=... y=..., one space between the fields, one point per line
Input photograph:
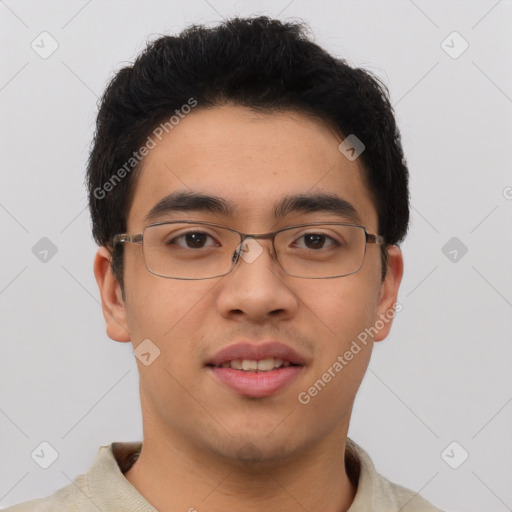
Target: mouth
x=256 y=371
x=252 y=365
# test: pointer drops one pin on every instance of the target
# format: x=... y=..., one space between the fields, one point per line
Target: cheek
x=170 y=313
x=340 y=315
x=337 y=317
x=161 y=308
x=155 y=306
x=340 y=309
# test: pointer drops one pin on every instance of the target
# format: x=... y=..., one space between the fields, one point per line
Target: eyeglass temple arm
x=126 y=238
x=374 y=239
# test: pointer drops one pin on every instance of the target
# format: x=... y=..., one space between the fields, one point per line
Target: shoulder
x=375 y=492
x=403 y=499
x=103 y=487
x=70 y=498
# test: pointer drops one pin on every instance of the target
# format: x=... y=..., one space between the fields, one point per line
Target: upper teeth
x=251 y=365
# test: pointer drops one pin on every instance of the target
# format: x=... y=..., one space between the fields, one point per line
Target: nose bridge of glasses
x=249 y=248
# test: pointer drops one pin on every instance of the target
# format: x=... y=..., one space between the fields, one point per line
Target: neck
x=174 y=476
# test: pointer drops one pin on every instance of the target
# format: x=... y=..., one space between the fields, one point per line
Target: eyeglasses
x=202 y=250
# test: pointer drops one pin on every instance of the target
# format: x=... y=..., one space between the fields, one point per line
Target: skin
x=204 y=445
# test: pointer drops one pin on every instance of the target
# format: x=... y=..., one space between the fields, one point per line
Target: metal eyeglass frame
x=138 y=239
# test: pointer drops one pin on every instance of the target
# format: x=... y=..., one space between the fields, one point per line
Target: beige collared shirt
x=105 y=488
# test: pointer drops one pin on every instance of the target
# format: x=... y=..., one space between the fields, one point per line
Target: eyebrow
x=297 y=203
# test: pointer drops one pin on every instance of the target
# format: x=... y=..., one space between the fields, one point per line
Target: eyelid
x=322 y=229
x=331 y=241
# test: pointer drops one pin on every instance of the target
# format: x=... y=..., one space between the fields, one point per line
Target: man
x=248 y=192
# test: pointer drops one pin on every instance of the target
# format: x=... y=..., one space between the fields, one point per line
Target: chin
x=259 y=451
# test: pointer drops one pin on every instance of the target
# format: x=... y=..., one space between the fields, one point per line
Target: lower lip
x=257 y=384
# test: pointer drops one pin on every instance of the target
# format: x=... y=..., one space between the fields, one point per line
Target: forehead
x=251 y=160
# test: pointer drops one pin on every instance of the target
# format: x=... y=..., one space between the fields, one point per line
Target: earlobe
x=112 y=302
x=387 y=306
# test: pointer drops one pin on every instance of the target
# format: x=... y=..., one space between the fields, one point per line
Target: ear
x=387 y=306
x=112 y=303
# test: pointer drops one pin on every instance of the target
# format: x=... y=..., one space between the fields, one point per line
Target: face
x=252 y=161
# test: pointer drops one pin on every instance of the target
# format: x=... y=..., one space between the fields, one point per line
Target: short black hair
x=257 y=62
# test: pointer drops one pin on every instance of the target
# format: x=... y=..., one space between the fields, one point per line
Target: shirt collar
x=112 y=461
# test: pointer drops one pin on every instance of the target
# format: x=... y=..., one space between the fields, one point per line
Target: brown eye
x=193 y=240
x=316 y=241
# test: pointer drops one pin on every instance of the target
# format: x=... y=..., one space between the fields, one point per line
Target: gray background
x=444 y=373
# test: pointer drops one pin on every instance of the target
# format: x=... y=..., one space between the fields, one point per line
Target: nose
x=256 y=289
